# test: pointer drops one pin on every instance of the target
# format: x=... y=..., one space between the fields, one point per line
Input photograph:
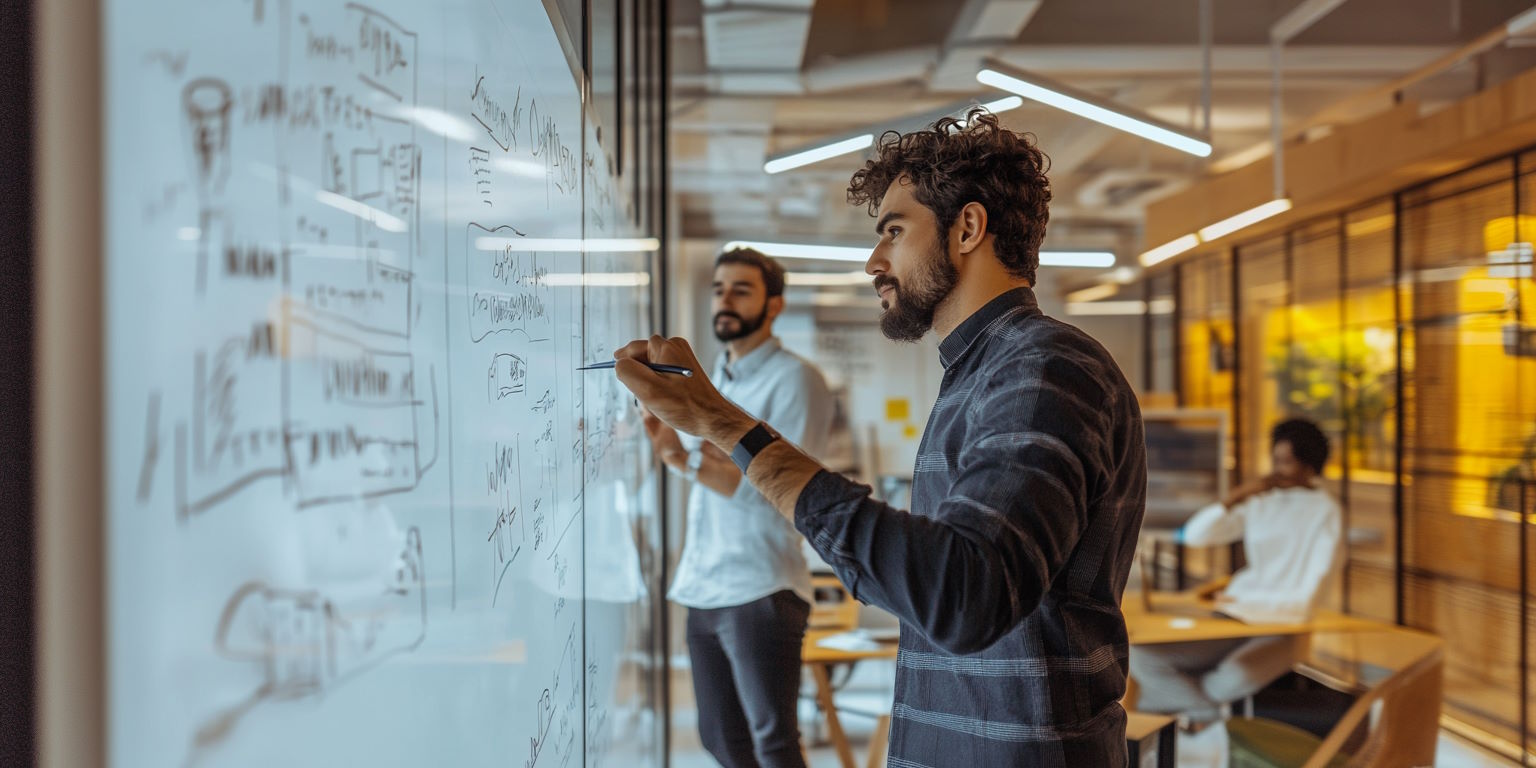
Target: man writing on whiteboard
x=742 y=573
x=1030 y=479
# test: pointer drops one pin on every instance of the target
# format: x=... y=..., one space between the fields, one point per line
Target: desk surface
x=1365 y=657
x=1182 y=617
x=813 y=653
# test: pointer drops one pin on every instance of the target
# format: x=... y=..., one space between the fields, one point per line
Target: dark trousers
x=746 y=679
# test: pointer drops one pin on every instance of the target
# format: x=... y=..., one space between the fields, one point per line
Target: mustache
x=730 y=314
x=883 y=281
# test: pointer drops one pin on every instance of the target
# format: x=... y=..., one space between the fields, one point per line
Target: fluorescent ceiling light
x=1169 y=250
x=1093 y=259
x=1093 y=293
x=1521 y=24
x=1124 y=275
x=1048 y=258
x=1092 y=107
x=1370 y=226
x=1107 y=307
x=817 y=154
x=802 y=251
x=845 y=300
x=802 y=157
x=1004 y=104
x=1247 y=218
x=569 y=244
x=828 y=279
x=1135 y=307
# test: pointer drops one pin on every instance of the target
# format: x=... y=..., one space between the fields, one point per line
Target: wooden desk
x=820 y=661
x=1141 y=728
x=1396 y=666
x=1182 y=617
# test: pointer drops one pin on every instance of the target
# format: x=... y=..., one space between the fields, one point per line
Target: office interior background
x=1352 y=244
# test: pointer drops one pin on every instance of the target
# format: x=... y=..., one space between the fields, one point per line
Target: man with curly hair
x=1030 y=480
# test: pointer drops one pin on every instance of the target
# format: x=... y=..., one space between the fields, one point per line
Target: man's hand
x=686 y=403
x=664 y=441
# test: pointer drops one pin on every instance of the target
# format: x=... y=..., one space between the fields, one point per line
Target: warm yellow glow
x=1369 y=226
x=1495 y=392
x=1500 y=233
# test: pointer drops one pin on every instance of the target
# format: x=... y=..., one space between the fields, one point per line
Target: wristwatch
x=752 y=443
x=695 y=461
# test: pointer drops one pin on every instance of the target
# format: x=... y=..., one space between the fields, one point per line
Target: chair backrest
x=833 y=607
x=1402 y=715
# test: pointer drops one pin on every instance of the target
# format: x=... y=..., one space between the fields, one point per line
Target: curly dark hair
x=1307 y=440
x=963 y=161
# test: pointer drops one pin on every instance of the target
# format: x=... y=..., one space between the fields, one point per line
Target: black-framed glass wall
x=1402 y=327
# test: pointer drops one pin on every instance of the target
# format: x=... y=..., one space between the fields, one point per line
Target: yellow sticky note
x=897 y=409
x=909 y=431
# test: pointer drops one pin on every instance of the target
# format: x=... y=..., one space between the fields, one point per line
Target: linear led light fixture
x=1089 y=259
x=1247 y=218
x=1216 y=231
x=865 y=138
x=819 y=153
x=827 y=279
x=803 y=251
x=1129 y=307
x=1083 y=104
x=1169 y=249
x=1093 y=293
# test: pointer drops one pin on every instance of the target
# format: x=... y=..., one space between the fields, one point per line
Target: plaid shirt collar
x=959 y=341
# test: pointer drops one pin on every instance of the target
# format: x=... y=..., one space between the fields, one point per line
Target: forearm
x=916 y=567
x=779 y=472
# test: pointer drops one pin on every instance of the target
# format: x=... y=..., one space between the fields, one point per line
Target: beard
x=909 y=311
x=744 y=327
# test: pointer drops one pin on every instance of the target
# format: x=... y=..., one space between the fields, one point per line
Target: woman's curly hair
x=963 y=161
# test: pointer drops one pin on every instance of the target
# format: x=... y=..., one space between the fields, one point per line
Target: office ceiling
x=755 y=78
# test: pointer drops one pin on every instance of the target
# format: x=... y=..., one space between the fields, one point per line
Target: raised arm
x=964 y=573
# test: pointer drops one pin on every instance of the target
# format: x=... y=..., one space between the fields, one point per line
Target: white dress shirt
x=739 y=548
x=1291 y=538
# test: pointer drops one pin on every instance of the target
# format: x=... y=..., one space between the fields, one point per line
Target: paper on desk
x=855 y=640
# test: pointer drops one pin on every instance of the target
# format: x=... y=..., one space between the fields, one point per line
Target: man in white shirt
x=742 y=573
x=1291 y=533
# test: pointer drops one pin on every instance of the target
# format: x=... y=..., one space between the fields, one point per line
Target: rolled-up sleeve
x=970 y=570
x=800 y=410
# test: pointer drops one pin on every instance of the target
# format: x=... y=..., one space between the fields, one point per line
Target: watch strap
x=751 y=444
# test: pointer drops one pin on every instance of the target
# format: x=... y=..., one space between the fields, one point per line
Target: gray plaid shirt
x=1007 y=574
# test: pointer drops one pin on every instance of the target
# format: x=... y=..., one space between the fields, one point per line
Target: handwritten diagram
x=358 y=485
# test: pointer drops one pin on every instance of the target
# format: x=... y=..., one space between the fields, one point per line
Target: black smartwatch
x=752 y=443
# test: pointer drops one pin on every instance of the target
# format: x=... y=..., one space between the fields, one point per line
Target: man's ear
x=775 y=306
x=972 y=226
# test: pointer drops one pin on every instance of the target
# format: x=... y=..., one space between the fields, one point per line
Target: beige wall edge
x=69 y=425
x=1358 y=163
